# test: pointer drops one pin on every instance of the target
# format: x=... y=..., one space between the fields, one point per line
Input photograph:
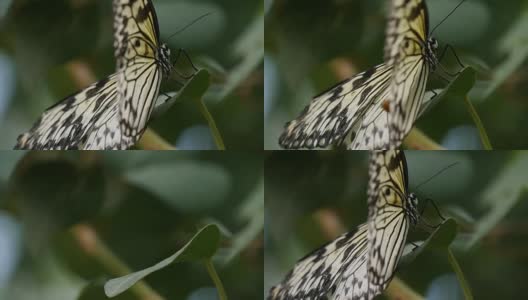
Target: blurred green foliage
x=42 y=38
x=144 y=207
x=306 y=49
x=485 y=192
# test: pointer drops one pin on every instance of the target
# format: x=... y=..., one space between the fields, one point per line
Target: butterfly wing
x=373 y=130
x=331 y=116
x=406 y=49
x=80 y=121
x=387 y=220
x=136 y=43
x=334 y=271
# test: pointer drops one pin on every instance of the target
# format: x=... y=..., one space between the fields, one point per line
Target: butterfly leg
x=428 y=200
x=180 y=51
x=449 y=47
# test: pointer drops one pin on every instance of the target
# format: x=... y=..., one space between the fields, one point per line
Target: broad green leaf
x=8 y=160
x=250 y=47
x=461 y=86
x=252 y=213
x=441 y=238
x=93 y=291
x=515 y=45
x=502 y=195
x=458 y=88
x=194 y=88
x=176 y=183
x=4 y=7
x=202 y=246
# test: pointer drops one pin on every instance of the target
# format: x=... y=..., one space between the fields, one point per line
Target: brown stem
x=89 y=242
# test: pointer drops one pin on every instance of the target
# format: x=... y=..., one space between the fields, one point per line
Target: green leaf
x=175 y=183
x=502 y=195
x=458 y=88
x=440 y=239
x=93 y=290
x=515 y=45
x=250 y=47
x=4 y=7
x=201 y=247
x=462 y=84
x=251 y=212
x=8 y=160
x=194 y=88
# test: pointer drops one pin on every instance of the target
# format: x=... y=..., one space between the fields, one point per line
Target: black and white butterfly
x=360 y=264
x=377 y=108
x=112 y=113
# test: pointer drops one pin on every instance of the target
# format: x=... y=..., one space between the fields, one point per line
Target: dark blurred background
x=142 y=206
x=312 y=45
x=313 y=196
x=43 y=42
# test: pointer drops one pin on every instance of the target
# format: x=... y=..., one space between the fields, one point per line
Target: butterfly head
x=430 y=52
x=164 y=60
x=412 y=208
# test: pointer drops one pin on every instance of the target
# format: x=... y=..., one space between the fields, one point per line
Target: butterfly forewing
x=139 y=64
x=388 y=220
x=406 y=49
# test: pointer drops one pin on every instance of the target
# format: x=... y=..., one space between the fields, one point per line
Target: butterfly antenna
x=443 y=20
x=190 y=24
x=436 y=174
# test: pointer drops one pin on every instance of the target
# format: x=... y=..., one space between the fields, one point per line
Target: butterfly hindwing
x=329 y=117
x=333 y=271
x=80 y=121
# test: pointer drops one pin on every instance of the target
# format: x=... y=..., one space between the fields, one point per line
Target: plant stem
x=152 y=141
x=397 y=289
x=478 y=122
x=460 y=275
x=90 y=243
x=212 y=124
x=419 y=141
x=214 y=276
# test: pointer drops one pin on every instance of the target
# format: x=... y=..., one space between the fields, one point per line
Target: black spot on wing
x=365 y=76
